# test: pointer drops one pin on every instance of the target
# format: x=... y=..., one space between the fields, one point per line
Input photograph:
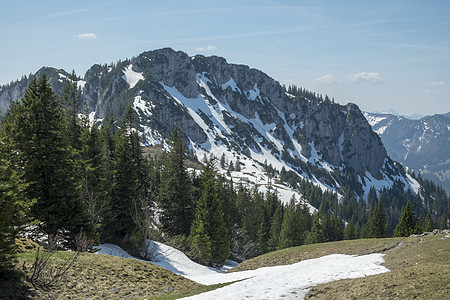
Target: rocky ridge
x=237 y=112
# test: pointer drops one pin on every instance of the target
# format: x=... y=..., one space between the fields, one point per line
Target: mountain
x=422 y=145
x=240 y=114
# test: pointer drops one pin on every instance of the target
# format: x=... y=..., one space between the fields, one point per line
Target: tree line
x=61 y=175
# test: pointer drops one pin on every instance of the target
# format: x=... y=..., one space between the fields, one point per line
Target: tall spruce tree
x=290 y=231
x=408 y=223
x=209 y=230
x=175 y=198
x=71 y=104
x=376 y=227
x=275 y=229
x=48 y=161
x=119 y=225
x=428 y=224
x=316 y=234
x=97 y=173
x=444 y=221
x=13 y=207
x=350 y=231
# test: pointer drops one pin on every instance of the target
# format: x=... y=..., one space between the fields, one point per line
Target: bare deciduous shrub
x=45 y=274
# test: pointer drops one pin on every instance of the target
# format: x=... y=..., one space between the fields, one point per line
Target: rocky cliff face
x=237 y=112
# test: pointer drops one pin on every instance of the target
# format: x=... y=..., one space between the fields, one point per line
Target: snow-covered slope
x=287 y=282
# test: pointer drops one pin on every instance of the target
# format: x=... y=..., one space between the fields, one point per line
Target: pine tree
x=222 y=160
x=209 y=222
x=175 y=192
x=290 y=234
x=275 y=229
x=316 y=233
x=377 y=224
x=350 y=232
x=97 y=173
x=13 y=208
x=407 y=223
x=119 y=226
x=200 y=248
x=428 y=224
x=237 y=165
x=48 y=161
x=444 y=221
x=71 y=104
x=372 y=198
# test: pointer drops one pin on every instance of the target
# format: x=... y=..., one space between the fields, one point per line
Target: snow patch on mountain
x=131 y=77
x=231 y=83
x=373 y=120
x=143 y=106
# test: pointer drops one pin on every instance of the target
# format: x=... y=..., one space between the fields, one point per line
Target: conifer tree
x=48 y=161
x=13 y=208
x=316 y=234
x=200 y=248
x=119 y=225
x=175 y=197
x=97 y=173
x=350 y=232
x=372 y=198
x=209 y=230
x=407 y=223
x=428 y=224
x=275 y=229
x=71 y=105
x=444 y=221
x=377 y=224
x=289 y=234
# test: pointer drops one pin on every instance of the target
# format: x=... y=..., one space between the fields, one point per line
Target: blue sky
x=380 y=55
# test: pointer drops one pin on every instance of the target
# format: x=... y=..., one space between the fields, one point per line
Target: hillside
x=418 y=267
x=421 y=145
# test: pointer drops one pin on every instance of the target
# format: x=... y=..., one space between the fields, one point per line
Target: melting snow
x=81 y=84
x=253 y=94
x=288 y=281
x=131 y=77
x=142 y=105
x=232 y=84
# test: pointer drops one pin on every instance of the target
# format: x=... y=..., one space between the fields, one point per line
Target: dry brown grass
x=96 y=276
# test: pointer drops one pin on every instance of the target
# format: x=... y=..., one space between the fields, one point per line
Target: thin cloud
x=326 y=80
x=366 y=77
x=436 y=83
x=207 y=48
x=55 y=15
x=87 y=36
x=430 y=92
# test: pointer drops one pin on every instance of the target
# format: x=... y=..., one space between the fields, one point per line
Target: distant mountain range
x=422 y=145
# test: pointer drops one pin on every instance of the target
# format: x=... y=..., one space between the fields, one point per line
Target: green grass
x=97 y=276
x=420 y=268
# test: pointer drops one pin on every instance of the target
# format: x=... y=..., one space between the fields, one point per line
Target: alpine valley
x=275 y=137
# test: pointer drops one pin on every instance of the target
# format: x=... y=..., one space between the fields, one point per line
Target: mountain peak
x=241 y=113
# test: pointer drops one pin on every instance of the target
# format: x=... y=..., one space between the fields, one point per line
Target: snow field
x=288 y=281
